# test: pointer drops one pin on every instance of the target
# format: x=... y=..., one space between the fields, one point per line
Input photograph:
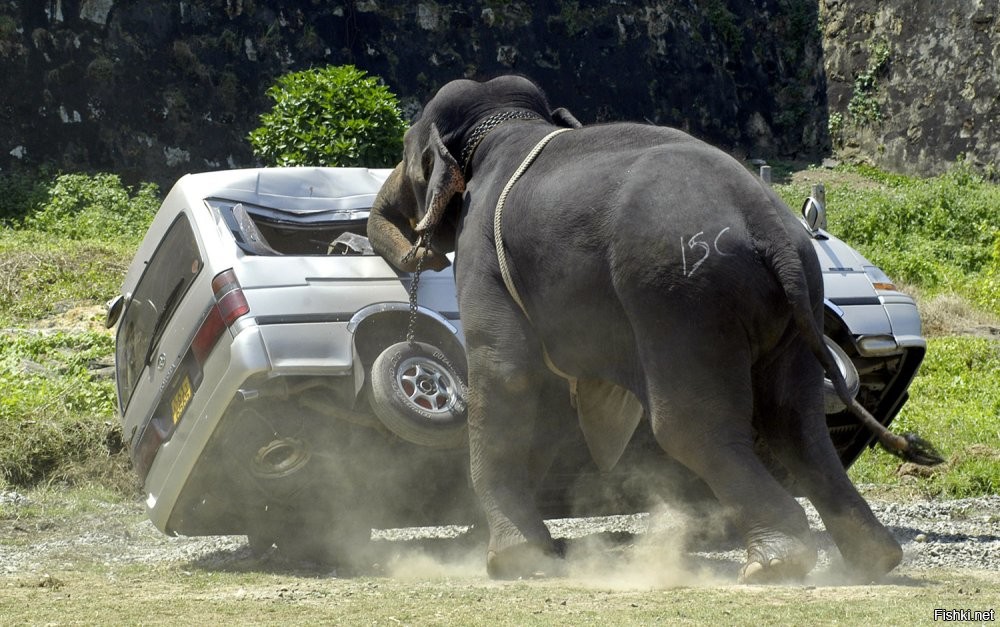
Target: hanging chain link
x=425 y=239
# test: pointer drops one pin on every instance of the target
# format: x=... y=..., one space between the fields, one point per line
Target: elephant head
x=422 y=196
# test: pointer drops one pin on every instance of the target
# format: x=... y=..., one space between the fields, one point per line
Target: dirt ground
x=72 y=559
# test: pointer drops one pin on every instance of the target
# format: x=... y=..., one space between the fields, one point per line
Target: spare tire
x=418 y=393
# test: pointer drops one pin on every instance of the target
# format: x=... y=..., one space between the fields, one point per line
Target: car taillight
x=230 y=305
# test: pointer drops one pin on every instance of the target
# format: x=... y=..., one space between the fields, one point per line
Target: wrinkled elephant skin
x=645 y=259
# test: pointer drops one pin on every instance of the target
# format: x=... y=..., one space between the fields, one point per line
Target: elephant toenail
x=750 y=570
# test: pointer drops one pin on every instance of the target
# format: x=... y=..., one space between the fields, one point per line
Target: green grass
x=193 y=596
x=955 y=404
x=61 y=257
x=57 y=416
x=44 y=274
x=940 y=234
x=46 y=506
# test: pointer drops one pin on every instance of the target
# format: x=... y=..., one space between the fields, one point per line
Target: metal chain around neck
x=484 y=128
x=425 y=239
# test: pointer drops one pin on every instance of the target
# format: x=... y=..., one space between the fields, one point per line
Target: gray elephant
x=610 y=272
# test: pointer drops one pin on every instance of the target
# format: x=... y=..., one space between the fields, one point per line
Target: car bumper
x=258 y=352
x=176 y=459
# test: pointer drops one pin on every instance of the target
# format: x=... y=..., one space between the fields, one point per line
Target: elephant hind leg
x=792 y=423
x=701 y=415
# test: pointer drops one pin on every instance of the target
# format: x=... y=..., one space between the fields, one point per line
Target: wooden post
x=819 y=195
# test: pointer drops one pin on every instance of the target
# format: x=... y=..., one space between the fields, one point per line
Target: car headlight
x=877 y=345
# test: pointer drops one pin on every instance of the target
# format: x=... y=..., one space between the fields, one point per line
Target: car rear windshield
x=267 y=231
x=168 y=275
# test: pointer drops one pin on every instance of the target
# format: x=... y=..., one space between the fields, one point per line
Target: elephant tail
x=782 y=257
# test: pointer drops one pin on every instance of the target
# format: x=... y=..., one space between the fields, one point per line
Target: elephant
x=617 y=272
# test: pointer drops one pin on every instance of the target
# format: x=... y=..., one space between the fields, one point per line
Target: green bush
x=82 y=206
x=986 y=292
x=20 y=193
x=331 y=116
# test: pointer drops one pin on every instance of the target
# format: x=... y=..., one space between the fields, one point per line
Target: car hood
x=844 y=277
x=849 y=290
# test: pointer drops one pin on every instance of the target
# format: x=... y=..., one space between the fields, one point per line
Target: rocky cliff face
x=914 y=84
x=157 y=88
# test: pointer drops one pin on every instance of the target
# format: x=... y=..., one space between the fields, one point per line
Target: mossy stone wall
x=154 y=89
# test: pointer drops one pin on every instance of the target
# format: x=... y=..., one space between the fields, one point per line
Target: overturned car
x=278 y=379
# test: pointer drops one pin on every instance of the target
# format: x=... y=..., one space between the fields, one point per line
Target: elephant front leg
x=508 y=460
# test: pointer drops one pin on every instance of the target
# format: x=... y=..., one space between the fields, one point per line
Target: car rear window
x=168 y=275
x=267 y=231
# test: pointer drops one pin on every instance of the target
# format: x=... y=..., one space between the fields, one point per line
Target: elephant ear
x=444 y=180
x=562 y=117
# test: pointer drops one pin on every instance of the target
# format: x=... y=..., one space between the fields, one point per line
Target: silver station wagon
x=274 y=380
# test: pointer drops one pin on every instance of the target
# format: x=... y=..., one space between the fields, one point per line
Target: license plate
x=181 y=399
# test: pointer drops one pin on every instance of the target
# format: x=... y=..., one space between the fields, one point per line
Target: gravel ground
x=952 y=534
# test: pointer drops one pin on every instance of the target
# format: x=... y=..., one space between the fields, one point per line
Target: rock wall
x=914 y=84
x=153 y=89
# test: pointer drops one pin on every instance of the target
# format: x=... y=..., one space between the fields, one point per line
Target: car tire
x=832 y=402
x=418 y=393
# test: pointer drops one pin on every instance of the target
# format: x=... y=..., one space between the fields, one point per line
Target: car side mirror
x=814 y=209
x=115 y=307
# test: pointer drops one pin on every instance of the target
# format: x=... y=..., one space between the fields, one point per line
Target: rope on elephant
x=498 y=216
x=502 y=253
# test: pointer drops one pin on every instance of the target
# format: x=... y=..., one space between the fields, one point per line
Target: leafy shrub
x=20 y=194
x=986 y=293
x=81 y=206
x=331 y=116
x=864 y=106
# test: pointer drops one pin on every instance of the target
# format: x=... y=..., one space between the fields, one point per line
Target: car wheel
x=832 y=402
x=418 y=393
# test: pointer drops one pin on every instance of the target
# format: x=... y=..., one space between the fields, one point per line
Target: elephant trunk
x=391 y=229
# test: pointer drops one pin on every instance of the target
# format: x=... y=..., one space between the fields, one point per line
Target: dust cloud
x=420 y=564
x=355 y=478
x=658 y=550
x=659 y=556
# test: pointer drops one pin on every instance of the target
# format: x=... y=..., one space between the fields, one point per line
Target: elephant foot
x=777 y=557
x=523 y=561
x=871 y=553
